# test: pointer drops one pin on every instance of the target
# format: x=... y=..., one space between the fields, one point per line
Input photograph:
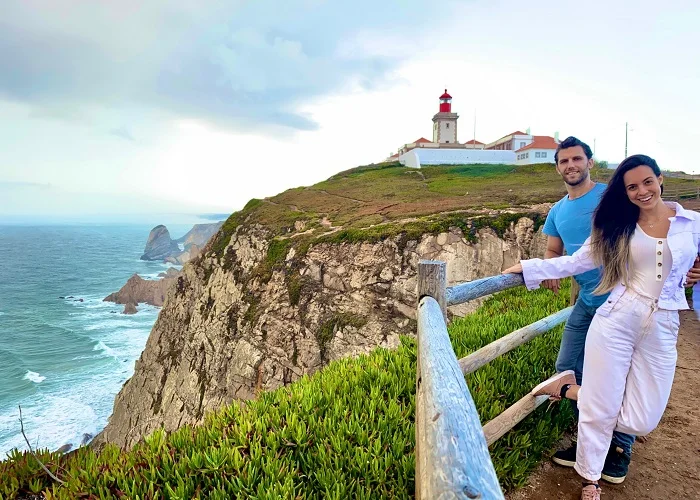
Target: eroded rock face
x=199 y=234
x=159 y=245
x=229 y=330
x=138 y=290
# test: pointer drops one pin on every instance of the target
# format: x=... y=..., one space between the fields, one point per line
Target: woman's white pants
x=628 y=369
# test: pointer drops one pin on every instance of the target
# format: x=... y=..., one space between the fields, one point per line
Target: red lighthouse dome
x=445 y=103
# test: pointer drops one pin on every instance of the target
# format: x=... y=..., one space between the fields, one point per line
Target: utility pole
x=594 y=146
x=625 y=139
x=474 y=143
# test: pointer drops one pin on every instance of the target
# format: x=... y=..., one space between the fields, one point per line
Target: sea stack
x=159 y=245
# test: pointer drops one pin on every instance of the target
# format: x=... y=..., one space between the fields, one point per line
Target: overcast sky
x=182 y=106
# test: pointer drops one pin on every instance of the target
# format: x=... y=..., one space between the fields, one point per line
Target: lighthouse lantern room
x=445 y=121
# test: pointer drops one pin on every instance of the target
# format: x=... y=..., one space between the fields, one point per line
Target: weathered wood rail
x=681 y=192
x=452 y=457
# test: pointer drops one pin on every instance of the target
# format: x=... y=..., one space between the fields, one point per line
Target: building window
x=544 y=154
x=537 y=154
x=522 y=144
x=447 y=142
x=448 y=125
x=527 y=155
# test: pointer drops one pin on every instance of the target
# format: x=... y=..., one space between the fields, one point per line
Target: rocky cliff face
x=159 y=245
x=138 y=290
x=199 y=234
x=240 y=324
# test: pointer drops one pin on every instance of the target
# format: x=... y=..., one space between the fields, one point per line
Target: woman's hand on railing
x=516 y=269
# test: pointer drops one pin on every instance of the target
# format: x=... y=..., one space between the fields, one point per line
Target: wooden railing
x=681 y=193
x=452 y=457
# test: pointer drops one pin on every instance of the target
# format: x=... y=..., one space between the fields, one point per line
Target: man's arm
x=555 y=248
x=694 y=273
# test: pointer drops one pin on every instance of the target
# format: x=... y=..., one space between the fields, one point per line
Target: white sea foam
x=113 y=322
x=34 y=377
x=101 y=346
x=42 y=427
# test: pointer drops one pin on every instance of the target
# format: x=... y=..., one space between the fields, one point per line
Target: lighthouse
x=445 y=122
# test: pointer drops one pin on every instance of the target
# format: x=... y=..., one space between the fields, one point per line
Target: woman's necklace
x=655 y=221
x=651 y=224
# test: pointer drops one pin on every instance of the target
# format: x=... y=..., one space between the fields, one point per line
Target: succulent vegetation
x=344 y=432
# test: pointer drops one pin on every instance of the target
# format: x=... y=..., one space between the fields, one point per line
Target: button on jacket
x=683 y=240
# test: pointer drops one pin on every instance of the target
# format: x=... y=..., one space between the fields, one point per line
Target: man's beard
x=582 y=178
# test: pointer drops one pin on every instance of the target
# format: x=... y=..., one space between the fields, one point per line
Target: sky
x=174 y=106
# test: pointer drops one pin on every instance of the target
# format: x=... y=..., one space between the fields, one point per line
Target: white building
x=540 y=149
x=419 y=157
x=512 y=142
x=517 y=148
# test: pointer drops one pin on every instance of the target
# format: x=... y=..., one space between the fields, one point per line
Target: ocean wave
x=101 y=346
x=113 y=323
x=43 y=428
x=34 y=377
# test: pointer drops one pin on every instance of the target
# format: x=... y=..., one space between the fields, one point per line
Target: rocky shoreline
x=161 y=247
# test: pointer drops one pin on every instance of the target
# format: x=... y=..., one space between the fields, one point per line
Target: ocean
x=65 y=359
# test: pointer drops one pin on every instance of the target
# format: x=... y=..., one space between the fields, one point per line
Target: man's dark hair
x=572 y=142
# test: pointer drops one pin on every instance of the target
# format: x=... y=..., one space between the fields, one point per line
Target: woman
x=645 y=247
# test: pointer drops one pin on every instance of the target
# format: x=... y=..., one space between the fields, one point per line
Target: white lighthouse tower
x=445 y=122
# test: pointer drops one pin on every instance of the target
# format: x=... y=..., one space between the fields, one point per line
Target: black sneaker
x=566 y=457
x=616 y=465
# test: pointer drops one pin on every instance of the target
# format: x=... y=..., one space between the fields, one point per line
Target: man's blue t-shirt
x=571 y=221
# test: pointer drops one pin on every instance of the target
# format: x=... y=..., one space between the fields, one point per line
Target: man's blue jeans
x=571 y=352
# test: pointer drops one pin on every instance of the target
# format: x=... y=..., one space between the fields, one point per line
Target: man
x=567 y=226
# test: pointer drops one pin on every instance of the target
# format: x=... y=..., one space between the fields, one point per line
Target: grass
x=389 y=195
x=344 y=432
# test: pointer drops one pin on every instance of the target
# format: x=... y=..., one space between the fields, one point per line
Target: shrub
x=344 y=432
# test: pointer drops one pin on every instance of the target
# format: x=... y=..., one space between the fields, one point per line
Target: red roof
x=541 y=142
x=422 y=140
x=445 y=95
x=472 y=141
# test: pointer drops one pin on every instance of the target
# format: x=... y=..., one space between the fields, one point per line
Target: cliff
x=137 y=290
x=199 y=234
x=159 y=245
x=287 y=286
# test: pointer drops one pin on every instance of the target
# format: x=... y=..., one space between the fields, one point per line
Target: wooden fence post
x=452 y=457
x=432 y=281
x=575 y=288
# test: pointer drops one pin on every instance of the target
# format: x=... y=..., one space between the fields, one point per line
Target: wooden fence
x=452 y=456
x=681 y=192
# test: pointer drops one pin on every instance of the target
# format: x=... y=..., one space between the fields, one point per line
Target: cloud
x=123 y=133
x=9 y=185
x=242 y=65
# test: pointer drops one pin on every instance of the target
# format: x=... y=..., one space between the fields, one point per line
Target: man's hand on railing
x=693 y=275
x=552 y=285
x=516 y=269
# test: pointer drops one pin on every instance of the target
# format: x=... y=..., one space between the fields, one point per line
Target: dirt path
x=667 y=465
